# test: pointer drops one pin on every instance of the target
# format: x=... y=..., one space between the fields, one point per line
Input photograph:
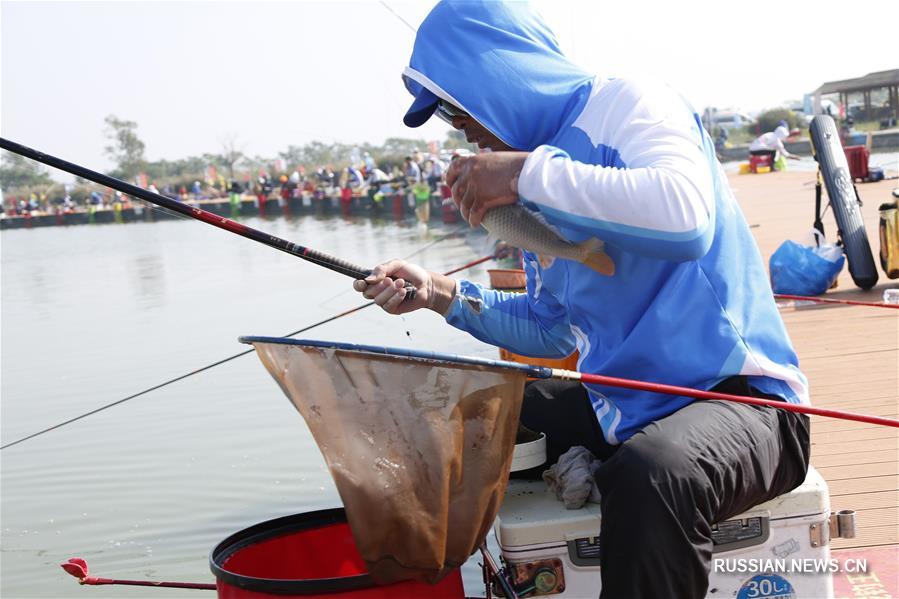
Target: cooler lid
x=811 y=497
x=531 y=515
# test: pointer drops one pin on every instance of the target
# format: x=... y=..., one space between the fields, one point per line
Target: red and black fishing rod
x=330 y=262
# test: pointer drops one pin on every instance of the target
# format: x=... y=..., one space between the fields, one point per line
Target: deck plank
x=865 y=501
x=819 y=448
x=873 y=408
x=832 y=425
x=861 y=457
x=863 y=485
x=868 y=537
x=855 y=435
x=835 y=395
x=885 y=516
x=859 y=470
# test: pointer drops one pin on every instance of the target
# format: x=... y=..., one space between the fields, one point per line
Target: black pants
x=664 y=488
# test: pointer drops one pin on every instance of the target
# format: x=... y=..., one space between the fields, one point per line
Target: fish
x=525 y=229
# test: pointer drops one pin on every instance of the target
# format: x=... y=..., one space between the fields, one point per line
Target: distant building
x=806 y=109
x=874 y=97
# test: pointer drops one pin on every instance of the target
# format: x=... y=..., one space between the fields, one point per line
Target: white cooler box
x=770 y=551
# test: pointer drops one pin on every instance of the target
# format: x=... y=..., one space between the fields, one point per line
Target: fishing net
x=419 y=448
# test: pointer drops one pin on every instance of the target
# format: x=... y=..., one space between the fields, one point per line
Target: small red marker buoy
x=77 y=567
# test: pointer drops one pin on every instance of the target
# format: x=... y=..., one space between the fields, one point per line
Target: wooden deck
x=850 y=355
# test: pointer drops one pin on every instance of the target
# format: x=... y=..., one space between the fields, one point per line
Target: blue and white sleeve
x=519 y=322
x=657 y=200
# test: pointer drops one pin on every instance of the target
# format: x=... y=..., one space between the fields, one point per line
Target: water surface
x=92 y=314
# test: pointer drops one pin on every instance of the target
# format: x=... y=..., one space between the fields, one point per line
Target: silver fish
x=522 y=228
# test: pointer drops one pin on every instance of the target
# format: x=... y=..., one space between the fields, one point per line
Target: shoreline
x=395 y=207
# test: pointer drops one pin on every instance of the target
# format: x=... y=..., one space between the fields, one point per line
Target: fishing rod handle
x=344 y=267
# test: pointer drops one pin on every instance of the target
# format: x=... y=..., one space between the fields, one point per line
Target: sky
x=273 y=74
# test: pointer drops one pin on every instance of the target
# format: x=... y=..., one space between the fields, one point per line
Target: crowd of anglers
x=418 y=182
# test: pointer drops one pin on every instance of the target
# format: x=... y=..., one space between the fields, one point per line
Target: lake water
x=144 y=490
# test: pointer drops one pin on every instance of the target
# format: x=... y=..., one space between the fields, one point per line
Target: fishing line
x=228 y=359
x=397 y=15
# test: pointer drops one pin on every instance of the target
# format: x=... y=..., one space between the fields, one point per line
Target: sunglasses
x=447 y=112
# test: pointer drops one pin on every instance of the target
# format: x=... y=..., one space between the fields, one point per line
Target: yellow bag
x=889 y=239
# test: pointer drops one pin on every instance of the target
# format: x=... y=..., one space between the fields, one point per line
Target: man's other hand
x=484 y=181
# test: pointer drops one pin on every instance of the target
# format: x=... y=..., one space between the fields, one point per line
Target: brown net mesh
x=419 y=449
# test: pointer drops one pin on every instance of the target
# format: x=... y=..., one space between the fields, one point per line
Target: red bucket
x=857 y=157
x=450 y=212
x=399 y=210
x=308 y=555
x=760 y=160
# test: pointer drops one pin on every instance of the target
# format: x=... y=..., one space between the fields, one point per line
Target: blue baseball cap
x=423 y=106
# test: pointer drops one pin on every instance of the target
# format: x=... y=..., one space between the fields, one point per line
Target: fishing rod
x=497 y=254
x=228 y=359
x=294 y=249
x=823 y=300
x=597 y=379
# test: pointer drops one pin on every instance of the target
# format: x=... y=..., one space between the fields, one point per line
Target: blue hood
x=500 y=63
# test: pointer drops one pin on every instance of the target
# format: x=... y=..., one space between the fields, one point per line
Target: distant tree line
x=768 y=120
x=18 y=172
x=127 y=151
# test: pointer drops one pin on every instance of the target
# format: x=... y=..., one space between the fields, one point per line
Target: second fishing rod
x=306 y=253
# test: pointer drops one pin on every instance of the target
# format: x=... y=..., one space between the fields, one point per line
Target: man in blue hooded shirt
x=689 y=302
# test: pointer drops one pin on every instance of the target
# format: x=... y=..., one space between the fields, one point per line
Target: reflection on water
x=148 y=280
x=39 y=295
x=93 y=314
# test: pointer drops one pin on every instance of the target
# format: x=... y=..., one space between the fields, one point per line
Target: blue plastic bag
x=802 y=270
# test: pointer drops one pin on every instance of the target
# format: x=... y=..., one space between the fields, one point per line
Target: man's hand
x=387 y=287
x=484 y=181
